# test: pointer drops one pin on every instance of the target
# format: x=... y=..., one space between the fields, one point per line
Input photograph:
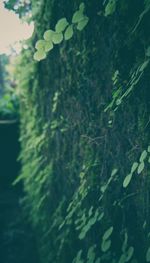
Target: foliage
x=85 y=133
x=137 y=166
x=9 y=106
x=63 y=30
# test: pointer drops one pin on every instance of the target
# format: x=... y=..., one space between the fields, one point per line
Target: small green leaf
x=143 y=156
x=82 y=7
x=148 y=149
x=144 y=65
x=57 y=38
x=68 y=32
x=129 y=253
x=110 y=8
x=124 y=245
x=141 y=167
x=48 y=46
x=82 y=24
x=78 y=258
x=118 y=102
x=84 y=231
x=106 y=244
x=92 y=221
x=90 y=211
x=108 y=233
x=103 y=188
x=114 y=171
x=122 y=259
x=148 y=52
x=127 y=180
x=144 y=224
x=100 y=216
x=39 y=55
x=82 y=235
x=48 y=35
x=134 y=167
x=61 y=25
x=77 y=17
x=40 y=44
x=91 y=254
x=148 y=255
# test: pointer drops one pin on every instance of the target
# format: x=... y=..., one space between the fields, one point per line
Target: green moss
x=70 y=146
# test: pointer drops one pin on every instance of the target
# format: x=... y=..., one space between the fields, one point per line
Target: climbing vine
x=85 y=131
x=63 y=30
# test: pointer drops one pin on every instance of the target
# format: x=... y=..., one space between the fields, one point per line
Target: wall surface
x=84 y=126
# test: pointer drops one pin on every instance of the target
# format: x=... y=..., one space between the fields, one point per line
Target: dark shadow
x=17 y=244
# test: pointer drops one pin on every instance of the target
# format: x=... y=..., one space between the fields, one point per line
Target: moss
x=70 y=146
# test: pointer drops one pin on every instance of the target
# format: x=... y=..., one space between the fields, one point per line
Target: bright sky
x=12 y=30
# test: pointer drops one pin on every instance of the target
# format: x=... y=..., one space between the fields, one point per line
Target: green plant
x=9 y=106
x=75 y=157
x=137 y=166
x=63 y=30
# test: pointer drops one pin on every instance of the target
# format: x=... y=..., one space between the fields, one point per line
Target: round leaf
x=148 y=52
x=82 y=7
x=57 y=38
x=124 y=245
x=82 y=235
x=48 y=35
x=118 y=102
x=39 y=55
x=40 y=44
x=110 y=8
x=134 y=167
x=144 y=65
x=103 y=188
x=48 y=46
x=61 y=25
x=114 y=171
x=100 y=216
x=122 y=259
x=108 y=233
x=68 y=32
x=127 y=180
x=148 y=255
x=106 y=244
x=91 y=254
x=129 y=254
x=78 y=16
x=141 y=167
x=143 y=156
x=82 y=24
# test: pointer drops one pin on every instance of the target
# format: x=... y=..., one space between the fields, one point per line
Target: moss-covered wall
x=75 y=154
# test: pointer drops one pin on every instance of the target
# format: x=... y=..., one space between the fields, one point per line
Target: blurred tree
x=21 y=8
x=1 y=78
